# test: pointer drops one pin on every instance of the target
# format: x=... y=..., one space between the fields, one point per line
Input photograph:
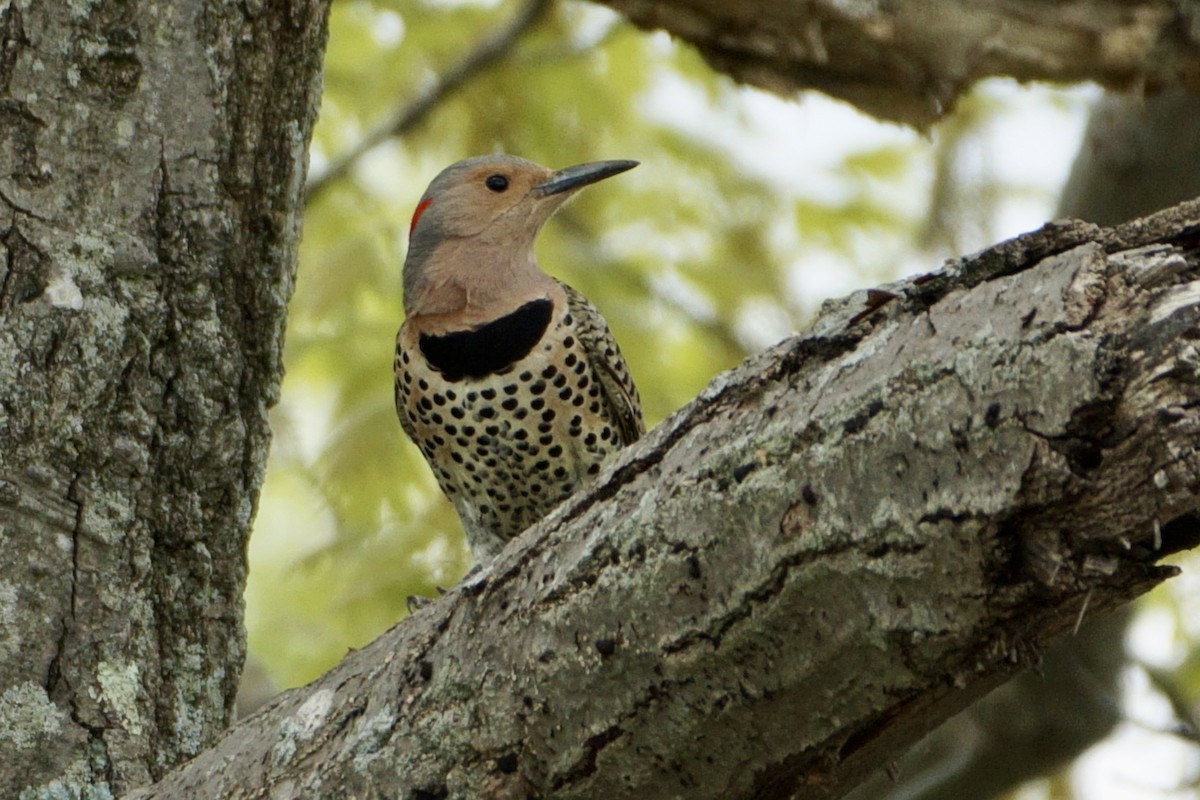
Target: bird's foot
x=416 y=602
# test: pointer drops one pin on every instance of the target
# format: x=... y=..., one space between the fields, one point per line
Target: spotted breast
x=513 y=415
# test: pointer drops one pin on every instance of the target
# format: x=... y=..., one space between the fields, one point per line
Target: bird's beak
x=571 y=178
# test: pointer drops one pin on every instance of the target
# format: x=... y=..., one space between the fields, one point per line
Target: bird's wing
x=609 y=365
x=398 y=373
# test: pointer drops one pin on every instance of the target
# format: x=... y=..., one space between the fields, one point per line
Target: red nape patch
x=424 y=204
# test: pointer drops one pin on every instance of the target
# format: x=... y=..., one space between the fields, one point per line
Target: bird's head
x=480 y=217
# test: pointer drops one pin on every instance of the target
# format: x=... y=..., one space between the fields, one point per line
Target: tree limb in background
x=910 y=60
x=835 y=547
x=1138 y=154
x=406 y=117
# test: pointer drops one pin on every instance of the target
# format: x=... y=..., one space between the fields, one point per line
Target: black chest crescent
x=488 y=348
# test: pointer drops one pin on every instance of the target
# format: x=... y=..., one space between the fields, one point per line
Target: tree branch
x=1137 y=156
x=407 y=117
x=911 y=60
x=835 y=547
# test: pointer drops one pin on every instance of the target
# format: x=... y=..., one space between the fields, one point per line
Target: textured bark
x=1137 y=156
x=910 y=60
x=834 y=548
x=151 y=156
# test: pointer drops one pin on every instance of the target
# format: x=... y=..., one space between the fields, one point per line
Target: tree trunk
x=151 y=156
x=834 y=548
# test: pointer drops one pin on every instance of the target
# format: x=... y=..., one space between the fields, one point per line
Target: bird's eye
x=497 y=183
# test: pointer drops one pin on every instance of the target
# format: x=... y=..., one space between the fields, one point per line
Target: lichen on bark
x=150 y=159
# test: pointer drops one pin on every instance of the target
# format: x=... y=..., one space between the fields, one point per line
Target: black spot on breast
x=488 y=348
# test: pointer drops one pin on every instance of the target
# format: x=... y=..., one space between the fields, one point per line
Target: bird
x=508 y=380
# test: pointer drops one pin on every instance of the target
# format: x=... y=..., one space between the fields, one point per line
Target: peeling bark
x=150 y=161
x=834 y=548
x=910 y=60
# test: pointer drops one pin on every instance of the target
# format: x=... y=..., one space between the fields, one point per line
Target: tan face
x=474 y=195
x=485 y=212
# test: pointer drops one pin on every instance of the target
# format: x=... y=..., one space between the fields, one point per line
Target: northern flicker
x=508 y=380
